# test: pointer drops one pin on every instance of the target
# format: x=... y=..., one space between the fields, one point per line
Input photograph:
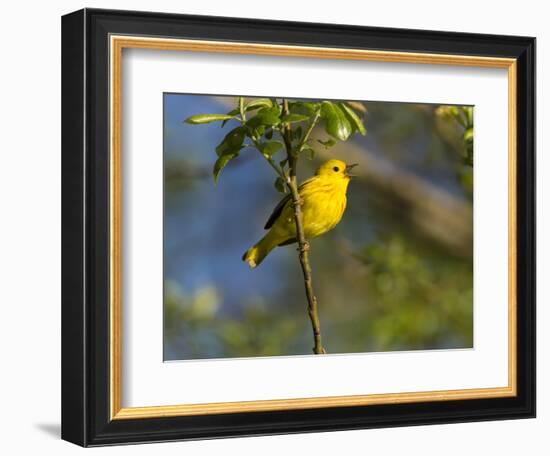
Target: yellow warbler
x=323 y=204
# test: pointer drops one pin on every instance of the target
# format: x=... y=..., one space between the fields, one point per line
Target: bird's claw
x=303 y=247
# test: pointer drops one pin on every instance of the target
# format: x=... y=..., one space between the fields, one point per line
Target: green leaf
x=265 y=116
x=258 y=132
x=309 y=151
x=328 y=143
x=207 y=118
x=453 y=110
x=232 y=141
x=336 y=123
x=280 y=185
x=461 y=117
x=469 y=146
x=353 y=119
x=306 y=108
x=220 y=164
x=297 y=133
x=256 y=104
x=293 y=118
x=232 y=113
x=469 y=114
x=270 y=147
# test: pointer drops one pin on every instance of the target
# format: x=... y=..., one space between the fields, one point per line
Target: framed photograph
x=275 y=227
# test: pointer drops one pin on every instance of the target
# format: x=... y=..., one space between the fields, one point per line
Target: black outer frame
x=85 y=227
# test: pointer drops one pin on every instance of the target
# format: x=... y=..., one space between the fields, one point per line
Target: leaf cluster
x=265 y=125
x=463 y=116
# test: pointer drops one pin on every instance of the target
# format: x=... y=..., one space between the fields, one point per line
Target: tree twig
x=269 y=160
x=303 y=245
x=308 y=131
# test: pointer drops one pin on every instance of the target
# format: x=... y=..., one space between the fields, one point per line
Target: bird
x=323 y=202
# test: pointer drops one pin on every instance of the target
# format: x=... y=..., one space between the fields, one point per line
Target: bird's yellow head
x=336 y=168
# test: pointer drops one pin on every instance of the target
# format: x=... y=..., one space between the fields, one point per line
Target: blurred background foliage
x=395 y=274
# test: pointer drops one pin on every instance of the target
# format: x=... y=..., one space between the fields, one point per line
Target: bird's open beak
x=349 y=168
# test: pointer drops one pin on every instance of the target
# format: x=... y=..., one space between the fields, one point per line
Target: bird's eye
x=336 y=169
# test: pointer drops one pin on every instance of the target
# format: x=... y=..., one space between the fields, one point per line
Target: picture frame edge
x=86 y=407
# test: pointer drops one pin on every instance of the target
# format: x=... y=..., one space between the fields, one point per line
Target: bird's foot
x=299 y=202
x=302 y=248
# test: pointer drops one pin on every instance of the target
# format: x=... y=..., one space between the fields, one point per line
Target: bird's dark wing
x=276 y=212
x=288 y=242
x=279 y=208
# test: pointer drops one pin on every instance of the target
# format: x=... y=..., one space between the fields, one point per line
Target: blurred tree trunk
x=435 y=212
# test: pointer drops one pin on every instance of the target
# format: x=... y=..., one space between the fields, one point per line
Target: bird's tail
x=256 y=254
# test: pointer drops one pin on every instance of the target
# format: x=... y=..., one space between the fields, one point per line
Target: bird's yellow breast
x=324 y=202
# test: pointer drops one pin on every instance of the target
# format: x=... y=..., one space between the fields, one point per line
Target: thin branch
x=274 y=165
x=309 y=130
x=241 y=109
x=303 y=245
x=269 y=160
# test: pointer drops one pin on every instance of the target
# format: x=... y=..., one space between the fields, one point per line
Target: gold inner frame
x=117 y=44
